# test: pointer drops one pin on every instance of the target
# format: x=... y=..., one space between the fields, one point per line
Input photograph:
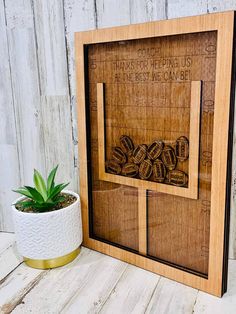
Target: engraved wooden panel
x=147 y=71
x=114 y=208
x=147 y=97
x=115 y=215
x=179 y=228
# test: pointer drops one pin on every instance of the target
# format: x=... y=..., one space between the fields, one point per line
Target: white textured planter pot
x=52 y=239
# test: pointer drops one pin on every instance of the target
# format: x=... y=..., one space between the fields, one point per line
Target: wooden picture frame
x=223 y=23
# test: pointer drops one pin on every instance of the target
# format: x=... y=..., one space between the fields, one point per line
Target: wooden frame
x=192 y=190
x=223 y=23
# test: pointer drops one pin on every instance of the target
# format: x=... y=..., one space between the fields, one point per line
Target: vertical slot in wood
x=101 y=129
x=142 y=220
x=194 y=134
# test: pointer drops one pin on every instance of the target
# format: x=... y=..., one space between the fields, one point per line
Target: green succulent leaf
x=24 y=192
x=40 y=184
x=57 y=190
x=44 y=196
x=59 y=199
x=44 y=207
x=26 y=204
x=36 y=196
x=50 y=180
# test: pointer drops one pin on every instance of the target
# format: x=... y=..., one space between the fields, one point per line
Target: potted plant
x=47 y=222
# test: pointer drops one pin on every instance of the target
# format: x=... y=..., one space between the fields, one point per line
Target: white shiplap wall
x=37 y=82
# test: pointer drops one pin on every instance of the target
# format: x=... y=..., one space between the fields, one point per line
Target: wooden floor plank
x=16 y=286
x=172 y=297
x=9 y=260
x=84 y=284
x=132 y=293
x=98 y=286
x=6 y=239
x=209 y=304
x=98 y=283
x=9 y=257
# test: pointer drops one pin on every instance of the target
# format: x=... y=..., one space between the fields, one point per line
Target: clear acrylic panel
x=150 y=169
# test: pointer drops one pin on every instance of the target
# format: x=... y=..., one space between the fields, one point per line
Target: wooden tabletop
x=96 y=283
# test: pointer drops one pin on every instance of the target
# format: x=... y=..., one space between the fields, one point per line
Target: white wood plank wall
x=37 y=82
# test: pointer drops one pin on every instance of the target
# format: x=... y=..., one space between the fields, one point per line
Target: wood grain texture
x=142 y=221
x=200 y=24
x=38 y=63
x=116 y=123
x=87 y=283
x=25 y=87
x=185 y=224
x=9 y=257
x=121 y=16
x=124 y=288
x=7 y=239
x=132 y=293
x=172 y=297
x=16 y=285
x=54 y=89
x=91 y=15
x=79 y=16
x=10 y=174
x=107 y=274
x=117 y=219
x=146 y=11
x=217 y=6
x=51 y=49
x=208 y=304
x=182 y=8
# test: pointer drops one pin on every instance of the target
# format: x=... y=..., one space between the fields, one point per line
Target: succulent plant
x=44 y=196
